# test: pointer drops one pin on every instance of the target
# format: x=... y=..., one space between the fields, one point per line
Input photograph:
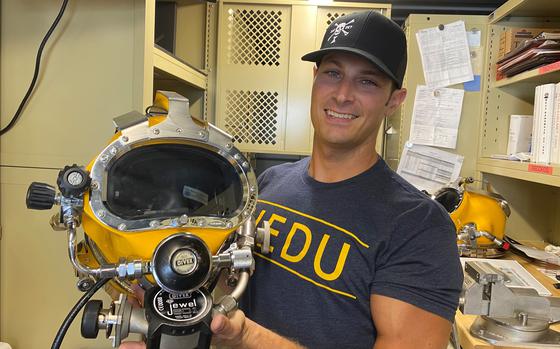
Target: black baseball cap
x=370 y=35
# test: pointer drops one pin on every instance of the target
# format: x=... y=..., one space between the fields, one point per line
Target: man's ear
x=314 y=71
x=396 y=99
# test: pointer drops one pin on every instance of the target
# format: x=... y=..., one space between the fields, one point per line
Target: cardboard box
x=513 y=37
x=520 y=129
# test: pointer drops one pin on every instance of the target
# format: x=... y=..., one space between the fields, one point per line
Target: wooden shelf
x=538 y=76
x=174 y=67
x=525 y=8
x=538 y=173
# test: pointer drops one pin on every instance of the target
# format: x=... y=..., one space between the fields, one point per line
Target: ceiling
x=402 y=8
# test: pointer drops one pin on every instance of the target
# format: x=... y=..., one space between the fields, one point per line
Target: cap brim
x=316 y=56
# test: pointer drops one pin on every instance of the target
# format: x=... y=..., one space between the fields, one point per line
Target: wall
x=88 y=77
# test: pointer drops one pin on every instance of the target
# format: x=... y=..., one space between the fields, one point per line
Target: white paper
x=473 y=37
x=429 y=168
x=445 y=54
x=476 y=60
x=515 y=276
x=551 y=273
x=436 y=116
x=539 y=254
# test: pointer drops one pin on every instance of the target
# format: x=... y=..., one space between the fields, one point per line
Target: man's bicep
x=403 y=325
x=422 y=269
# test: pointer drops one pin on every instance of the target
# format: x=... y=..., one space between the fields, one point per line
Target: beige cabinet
x=263 y=88
x=533 y=191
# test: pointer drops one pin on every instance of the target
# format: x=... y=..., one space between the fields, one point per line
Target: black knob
x=90 y=326
x=181 y=263
x=73 y=181
x=40 y=196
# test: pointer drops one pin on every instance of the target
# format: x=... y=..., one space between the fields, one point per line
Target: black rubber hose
x=36 y=72
x=74 y=311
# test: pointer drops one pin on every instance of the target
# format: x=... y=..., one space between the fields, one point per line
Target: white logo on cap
x=338 y=29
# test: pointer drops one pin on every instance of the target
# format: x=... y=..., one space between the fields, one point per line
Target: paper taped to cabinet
x=445 y=54
x=429 y=168
x=436 y=116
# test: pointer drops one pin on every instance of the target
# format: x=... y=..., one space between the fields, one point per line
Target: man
x=360 y=258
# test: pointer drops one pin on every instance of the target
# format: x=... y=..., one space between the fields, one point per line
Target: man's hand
x=227 y=331
x=237 y=331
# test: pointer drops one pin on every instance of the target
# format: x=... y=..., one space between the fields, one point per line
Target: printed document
x=445 y=54
x=429 y=168
x=436 y=116
x=539 y=254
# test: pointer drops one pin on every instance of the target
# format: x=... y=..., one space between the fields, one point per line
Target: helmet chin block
x=167 y=205
x=178 y=321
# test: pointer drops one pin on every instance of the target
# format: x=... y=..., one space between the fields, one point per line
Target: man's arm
x=405 y=326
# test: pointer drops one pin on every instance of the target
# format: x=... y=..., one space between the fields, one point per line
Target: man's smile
x=337 y=115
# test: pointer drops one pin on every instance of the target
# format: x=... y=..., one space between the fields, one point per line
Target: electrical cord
x=74 y=311
x=512 y=242
x=36 y=72
x=158 y=111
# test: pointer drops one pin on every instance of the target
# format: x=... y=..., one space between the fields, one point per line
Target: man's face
x=349 y=100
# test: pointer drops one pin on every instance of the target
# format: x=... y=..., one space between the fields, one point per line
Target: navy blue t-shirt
x=336 y=244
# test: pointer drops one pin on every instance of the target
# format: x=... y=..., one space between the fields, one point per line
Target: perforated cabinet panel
x=252 y=117
x=252 y=67
x=327 y=15
x=263 y=88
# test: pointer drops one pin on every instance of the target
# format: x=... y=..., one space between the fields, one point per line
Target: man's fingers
x=220 y=325
x=229 y=328
x=132 y=345
x=138 y=294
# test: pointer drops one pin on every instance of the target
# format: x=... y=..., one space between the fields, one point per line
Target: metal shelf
x=542 y=75
x=181 y=71
x=538 y=173
x=523 y=85
x=525 y=8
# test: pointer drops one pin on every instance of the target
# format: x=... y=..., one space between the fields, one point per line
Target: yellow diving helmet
x=480 y=218
x=168 y=205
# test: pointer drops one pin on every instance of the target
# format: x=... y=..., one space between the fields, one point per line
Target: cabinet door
x=400 y=122
x=252 y=74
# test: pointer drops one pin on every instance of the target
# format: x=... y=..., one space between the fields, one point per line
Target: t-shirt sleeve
x=262 y=179
x=420 y=264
